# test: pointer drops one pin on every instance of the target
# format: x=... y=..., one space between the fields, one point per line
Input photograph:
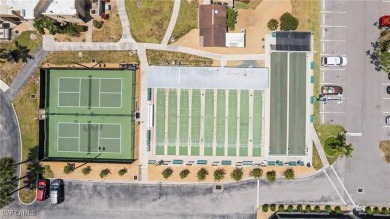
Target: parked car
x=388 y=120
x=388 y=89
x=333 y=61
x=56 y=191
x=384 y=21
x=43 y=189
x=331 y=90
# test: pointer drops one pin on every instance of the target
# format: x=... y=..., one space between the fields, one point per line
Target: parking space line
x=323 y=46
x=386 y=112
x=386 y=126
x=323 y=118
x=323 y=19
x=323 y=4
x=331 y=26
x=323 y=34
x=335 y=187
x=333 y=12
x=385 y=98
x=386 y=84
x=386 y=1
x=332 y=112
x=333 y=83
x=324 y=40
x=332 y=69
x=323 y=76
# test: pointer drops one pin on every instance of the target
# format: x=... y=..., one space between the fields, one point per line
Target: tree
x=104 y=172
x=299 y=208
x=273 y=207
x=202 y=174
x=237 y=174
x=384 y=60
x=273 y=24
x=368 y=210
x=337 y=210
x=167 y=172
x=289 y=174
x=219 y=174
x=328 y=208
x=257 y=173
x=231 y=18
x=184 y=173
x=8 y=181
x=271 y=176
x=264 y=208
x=376 y=210
x=308 y=208
x=317 y=209
x=51 y=25
x=39 y=25
x=122 y=171
x=86 y=170
x=290 y=208
x=340 y=147
x=281 y=208
x=384 y=211
x=288 y=22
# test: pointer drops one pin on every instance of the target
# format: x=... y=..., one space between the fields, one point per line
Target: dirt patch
x=385 y=149
x=157 y=57
x=66 y=38
x=111 y=30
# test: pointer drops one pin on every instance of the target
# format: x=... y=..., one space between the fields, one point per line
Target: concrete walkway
x=89 y=32
x=126 y=34
x=3 y=86
x=172 y=22
x=25 y=73
x=319 y=147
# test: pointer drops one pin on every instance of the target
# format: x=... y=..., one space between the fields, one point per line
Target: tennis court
x=90 y=114
x=208 y=122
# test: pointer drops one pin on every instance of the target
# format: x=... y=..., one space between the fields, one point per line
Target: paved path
x=9 y=129
x=319 y=147
x=126 y=34
x=25 y=73
x=89 y=32
x=172 y=22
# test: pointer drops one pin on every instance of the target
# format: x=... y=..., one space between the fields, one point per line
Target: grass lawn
x=157 y=57
x=149 y=19
x=317 y=164
x=251 y=5
x=327 y=148
x=385 y=147
x=26 y=110
x=66 y=58
x=111 y=30
x=8 y=70
x=325 y=131
x=187 y=19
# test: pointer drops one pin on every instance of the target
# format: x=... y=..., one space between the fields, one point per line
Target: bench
x=292 y=163
x=148 y=134
x=201 y=162
x=152 y=162
x=177 y=162
x=238 y=164
x=247 y=163
x=279 y=163
x=312 y=99
x=312 y=118
x=271 y=163
x=300 y=163
x=149 y=94
x=226 y=162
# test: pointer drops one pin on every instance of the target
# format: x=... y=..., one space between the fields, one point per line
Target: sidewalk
x=319 y=147
x=172 y=22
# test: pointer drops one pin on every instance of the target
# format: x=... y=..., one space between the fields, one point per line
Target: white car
x=333 y=61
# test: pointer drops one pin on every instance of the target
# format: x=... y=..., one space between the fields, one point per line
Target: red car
x=43 y=189
x=384 y=21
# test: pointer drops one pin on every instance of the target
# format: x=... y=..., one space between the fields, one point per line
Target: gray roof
x=208 y=78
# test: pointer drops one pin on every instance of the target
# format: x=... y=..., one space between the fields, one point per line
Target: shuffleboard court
x=172 y=121
x=278 y=108
x=232 y=123
x=244 y=122
x=160 y=121
x=195 y=123
x=220 y=129
x=297 y=104
x=209 y=123
x=184 y=122
x=257 y=122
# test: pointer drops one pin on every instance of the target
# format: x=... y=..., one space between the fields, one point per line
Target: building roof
x=26 y=7
x=62 y=7
x=293 y=41
x=212 y=25
x=208 y=77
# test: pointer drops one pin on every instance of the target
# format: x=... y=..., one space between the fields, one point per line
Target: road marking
x=323 y=34
x=323 y=46
x=258 y=194
x=323 y=19
x=331 y=26
x=386 y=84
x=332 y=83
x=332 y=69
x=323 y=105
x=343 y=185
x=334 y=187
x=332 y=40
x=386 y=1
x=333 y=12
x=323 y=76
x=332 y=112
x=323 y=118
x=386 y=126
x=323 y=4
x=386 y=98
x=353 y=134
x=386 y=112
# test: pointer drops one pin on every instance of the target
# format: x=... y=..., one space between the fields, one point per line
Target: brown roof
x=212 y=25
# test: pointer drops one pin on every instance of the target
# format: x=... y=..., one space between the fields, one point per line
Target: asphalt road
x=348 y=28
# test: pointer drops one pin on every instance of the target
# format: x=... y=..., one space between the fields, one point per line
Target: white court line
x=100 y=86
x=333 y=12
x=324 y=40
x=331 y=112
x=324 y=26
x=109 y=138
x=79 y=137
x=99 y=128
x=343 y=185
x=110 y=92
x=66 y=137
x=68 y=92
x=334 y=187
x=288 y=101
x=332 y=69
x=79 y=92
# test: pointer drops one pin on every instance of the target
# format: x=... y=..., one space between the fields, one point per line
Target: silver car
x=56 y=191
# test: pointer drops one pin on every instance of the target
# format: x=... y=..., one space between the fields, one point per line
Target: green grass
x=150 y=21
x=324 y=131
x=66 y=58
x=26 y=110
x=327 y=148
x=317 y=164
x=187 y=19
x=157 y=57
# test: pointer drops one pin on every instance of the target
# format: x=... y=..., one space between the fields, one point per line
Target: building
x=17 y=11
x=66 y=11
x=212 y=25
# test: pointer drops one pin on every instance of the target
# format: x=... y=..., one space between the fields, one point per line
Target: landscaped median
x=326 y=134
x=267 y=210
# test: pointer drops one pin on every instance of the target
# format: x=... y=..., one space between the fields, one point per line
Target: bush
x=337 y=210
x=80 y=28
x=273 y=207
x=184 y=173
x=245 y=1
x=289 y=174
x=265 y=208
x=368 y=210
x=299 y=208
x=48 y=173
x=328 y=208
x=308 y=208
x=68 y=169
x=231 y=18
x=281 y=208
x=290 y=208
x=257 y=173
x=219 y=174
x=273 y=24
x=104 y=172
x=271 y=176
x=376 y=210
x=317 y=209
x=202 y=173
x=122 y=172
x=71 y=31
x=237 y=174
x=86 y=170
x=97 y=24
x=384 y=211
x=167 y=172
x=288 y=22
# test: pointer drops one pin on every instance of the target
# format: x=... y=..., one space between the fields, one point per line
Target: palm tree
x=39 y=24
x=340 y=147
x=8 y=181
x=5 y=198
x=51 y=25
x=20 y=53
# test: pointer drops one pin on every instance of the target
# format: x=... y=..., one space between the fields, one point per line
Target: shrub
x=219 y=174
x=290 y=208
x=237 y=174
x=368 y=210
x=257 y=173
x=97 y=24
x=299 y=208
x=288 y=22
x=167 y=172
x=273 y=207
x=337 y=210
x=122 y=172
x=231 y=18
x=71 y=31
x=317 y=209
x=265 y=208
x=86 y=170
x=202 y=173
x=308 y=208
x=384 y=211
x=80 y=28
x=48 y=173
x=376 y=210
x=245 y=1
x=68 y=169
x=273 y=24
x=104 y=172
x=281 y=208
x=328 y=208
x=271 y=176
x=184 y=173
x=289 y=174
